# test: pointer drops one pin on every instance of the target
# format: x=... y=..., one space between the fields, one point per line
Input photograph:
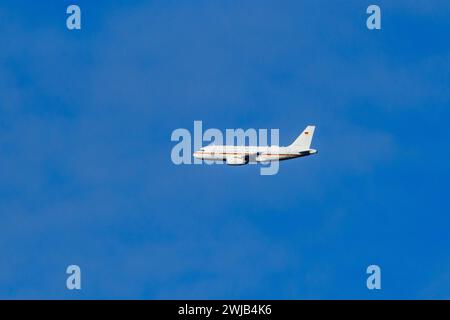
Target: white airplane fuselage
x=240 y=155
x=251 y=153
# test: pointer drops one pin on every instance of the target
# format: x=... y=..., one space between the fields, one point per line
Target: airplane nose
x=195 y=154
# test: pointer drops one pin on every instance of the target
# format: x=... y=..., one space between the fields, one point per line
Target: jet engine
x=237 y=160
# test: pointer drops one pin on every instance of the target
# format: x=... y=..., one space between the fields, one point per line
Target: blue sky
x=86 y=176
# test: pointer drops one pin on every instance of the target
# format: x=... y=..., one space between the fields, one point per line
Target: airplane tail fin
x=303 y=141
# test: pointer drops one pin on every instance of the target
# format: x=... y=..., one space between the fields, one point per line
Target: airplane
x=240 y=155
